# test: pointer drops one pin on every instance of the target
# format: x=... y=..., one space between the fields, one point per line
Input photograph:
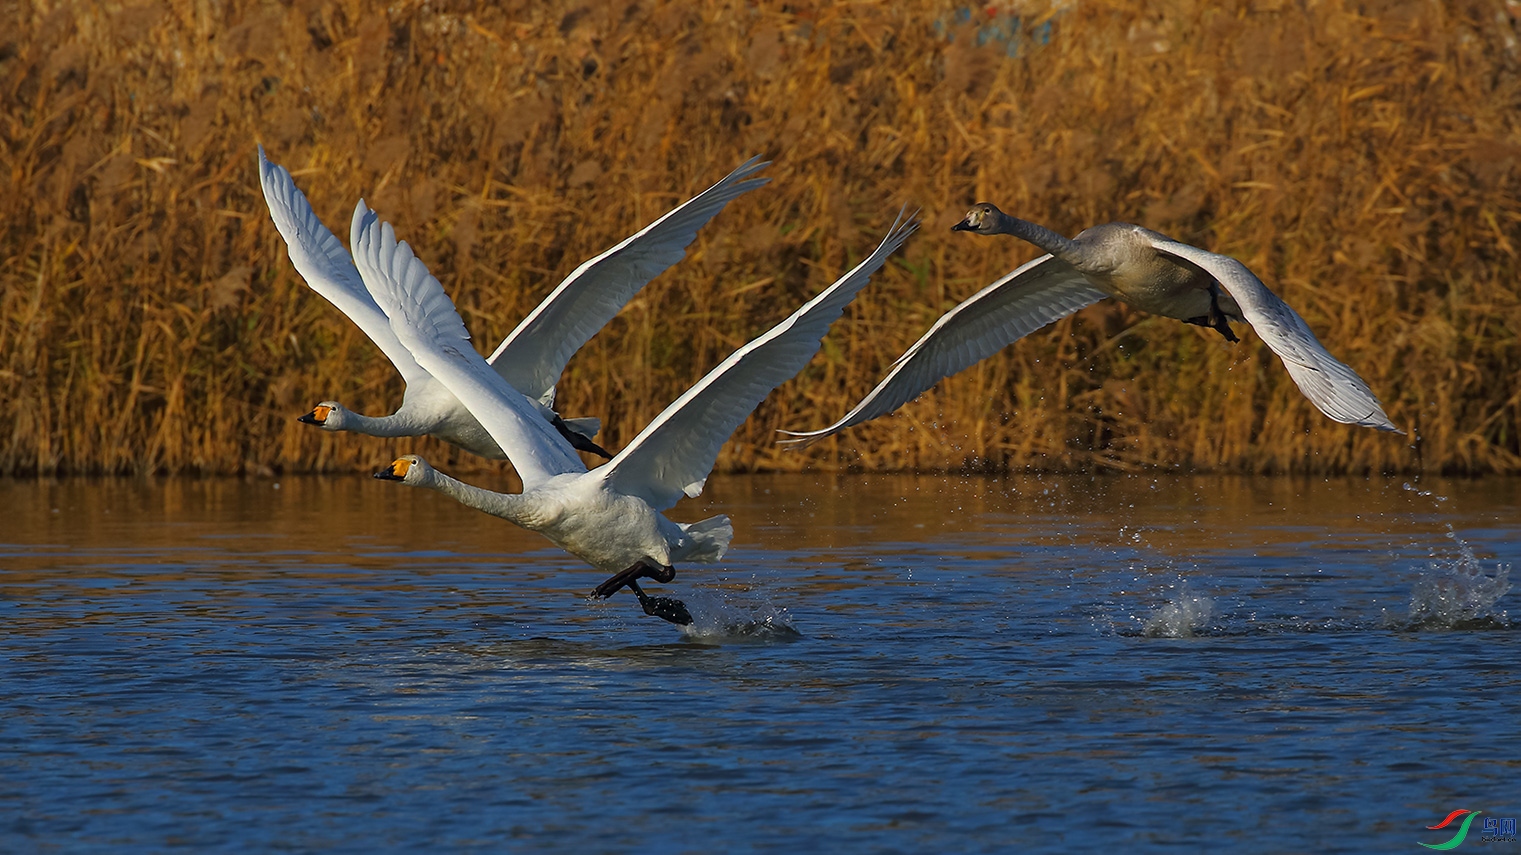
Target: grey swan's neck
x=1066 y=249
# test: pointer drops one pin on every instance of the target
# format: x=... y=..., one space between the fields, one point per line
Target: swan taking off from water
x=532 y=357
x=610 y=516
x=1146 y=269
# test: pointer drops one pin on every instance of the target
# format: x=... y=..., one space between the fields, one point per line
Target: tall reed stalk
x=1362 y=157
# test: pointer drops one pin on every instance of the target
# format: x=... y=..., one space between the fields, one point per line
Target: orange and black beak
x=317 y=416
x=396 y=471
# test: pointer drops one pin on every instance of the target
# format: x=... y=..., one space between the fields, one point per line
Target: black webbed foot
x=1217 y=318
x=665 y=608
x=645 y=569
x=1224 y=328
x=580 y=442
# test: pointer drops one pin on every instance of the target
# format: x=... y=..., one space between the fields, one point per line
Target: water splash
x=720 y=616
x=1455 y=592
x=1458 y=593
x=1436 y=498
x=1181 y=617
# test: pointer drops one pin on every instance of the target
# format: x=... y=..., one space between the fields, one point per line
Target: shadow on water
x=881 y=662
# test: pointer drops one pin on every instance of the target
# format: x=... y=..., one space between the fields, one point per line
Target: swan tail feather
x=710 y=538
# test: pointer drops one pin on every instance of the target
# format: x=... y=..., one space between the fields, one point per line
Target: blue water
x=884 y=664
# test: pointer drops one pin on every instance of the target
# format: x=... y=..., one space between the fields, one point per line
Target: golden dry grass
x=1362 y=158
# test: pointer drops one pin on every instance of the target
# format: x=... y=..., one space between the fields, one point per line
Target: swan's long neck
x=512 y=507
x=392 y=425
x=1064 y=248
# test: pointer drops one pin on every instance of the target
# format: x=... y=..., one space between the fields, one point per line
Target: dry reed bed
x=1363 y=160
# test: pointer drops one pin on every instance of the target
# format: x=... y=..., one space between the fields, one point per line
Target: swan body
x=1123 y=261
x=610 y=517
x=584 y=516
x=1141 y=267
x=532 y=357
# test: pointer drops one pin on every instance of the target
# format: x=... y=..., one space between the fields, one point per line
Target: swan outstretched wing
x=675 y=453
x=1332 y=386
x=532 y=357
x=425 y=321
x=322 y=261
x=1038 y=293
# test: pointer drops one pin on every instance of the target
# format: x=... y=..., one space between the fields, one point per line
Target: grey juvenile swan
x=1146 y=269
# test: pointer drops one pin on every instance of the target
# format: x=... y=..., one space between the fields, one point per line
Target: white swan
x=1141 y=267
x=532 y=357
x=610 y=516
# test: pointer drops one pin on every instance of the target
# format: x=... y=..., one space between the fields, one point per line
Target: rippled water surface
x=914 y=664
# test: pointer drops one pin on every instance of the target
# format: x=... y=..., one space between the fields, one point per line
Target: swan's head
x=982 y=219
x=328 y=415
x=409 y=469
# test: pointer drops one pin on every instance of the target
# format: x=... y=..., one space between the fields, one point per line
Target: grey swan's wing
x=1036 y=294
x=1332 y=386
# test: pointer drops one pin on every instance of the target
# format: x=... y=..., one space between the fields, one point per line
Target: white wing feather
x=425 y=321
x=1333 y=387
x=532 y=357
x=322 y=261
x=674 y=454
x=1038 y=293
